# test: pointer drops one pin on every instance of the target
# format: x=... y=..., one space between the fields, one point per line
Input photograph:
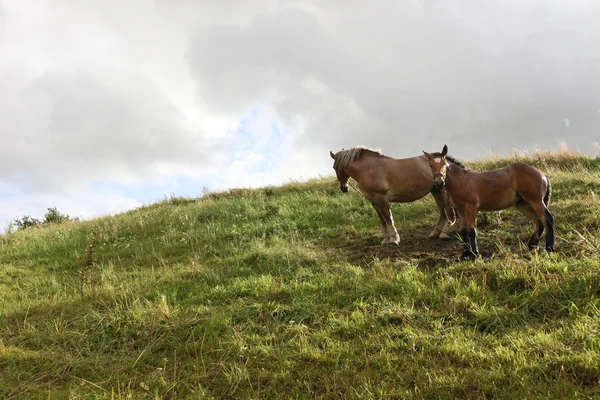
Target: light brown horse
x=383 y=180
x=518 y=184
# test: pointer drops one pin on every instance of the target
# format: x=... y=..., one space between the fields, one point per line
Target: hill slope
x=286 y=292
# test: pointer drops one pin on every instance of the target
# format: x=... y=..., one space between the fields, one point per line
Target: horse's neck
x=365 y=160
x=454 y=174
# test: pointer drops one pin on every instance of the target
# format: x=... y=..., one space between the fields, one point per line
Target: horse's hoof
x=444 y=236
x=468 y=256
x=550 y=249
x=393 y=243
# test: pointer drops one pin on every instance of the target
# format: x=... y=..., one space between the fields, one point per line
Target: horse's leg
x=443 y=225
x=392 y=236
x=395 y=238
x=445 y=233
x=380 y=214
x=439 y=201
x=382 y=206
x=545 y=216
x=530 y=213
x=462 y=231
x=470 y=232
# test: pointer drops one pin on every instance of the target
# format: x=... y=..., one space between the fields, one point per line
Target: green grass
x=285 y=292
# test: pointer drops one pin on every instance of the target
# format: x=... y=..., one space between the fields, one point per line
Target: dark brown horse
x=518 y=184
x=383 y=180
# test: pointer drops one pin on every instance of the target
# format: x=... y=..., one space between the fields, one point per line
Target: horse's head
x=342 y=175
x=439 y=165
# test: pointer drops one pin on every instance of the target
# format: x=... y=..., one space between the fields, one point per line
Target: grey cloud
x=473 y=75
x=83 y=126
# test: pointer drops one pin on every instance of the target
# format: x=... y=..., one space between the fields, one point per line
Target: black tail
x=548 y=194
x=549 y=219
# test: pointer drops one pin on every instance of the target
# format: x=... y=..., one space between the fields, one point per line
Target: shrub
x=26 y=222
x=52 y=216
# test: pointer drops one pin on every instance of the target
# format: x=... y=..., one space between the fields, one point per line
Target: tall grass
x=285 y=292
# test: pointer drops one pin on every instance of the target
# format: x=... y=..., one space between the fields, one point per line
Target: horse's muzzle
x=344 y=188
x=438 y=182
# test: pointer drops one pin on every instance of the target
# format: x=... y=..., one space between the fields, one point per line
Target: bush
x=52 y=216
x=26 y=222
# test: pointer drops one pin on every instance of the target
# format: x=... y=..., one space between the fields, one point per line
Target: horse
x=383 y=180
x=517 y=185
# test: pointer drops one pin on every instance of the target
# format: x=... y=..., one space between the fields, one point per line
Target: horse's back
x=409 y=178
x=528 y=179
x=523 y=168
x=514 y=175
x=503 y=187
x=399 y=179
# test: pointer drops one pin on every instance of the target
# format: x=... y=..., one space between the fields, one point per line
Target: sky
x=107 y=105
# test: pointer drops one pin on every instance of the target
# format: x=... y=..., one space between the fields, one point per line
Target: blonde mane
x=344 y=158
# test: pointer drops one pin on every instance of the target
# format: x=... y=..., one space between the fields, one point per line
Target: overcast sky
x=106 y=105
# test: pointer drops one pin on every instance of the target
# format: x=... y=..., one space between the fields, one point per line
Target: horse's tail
x=548 y=194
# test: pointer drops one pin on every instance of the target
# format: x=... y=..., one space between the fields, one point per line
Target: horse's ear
x=426 y=154
x=445 y=151
x=331 y=154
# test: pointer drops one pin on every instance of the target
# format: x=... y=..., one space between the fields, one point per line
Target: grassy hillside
x=285 y=292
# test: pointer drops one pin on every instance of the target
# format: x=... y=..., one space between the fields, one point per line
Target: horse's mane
x=457 y=163
x=453 y=161
x=344 y=158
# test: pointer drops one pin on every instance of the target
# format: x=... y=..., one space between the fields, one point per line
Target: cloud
x=71 y=127
x=402 y=76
